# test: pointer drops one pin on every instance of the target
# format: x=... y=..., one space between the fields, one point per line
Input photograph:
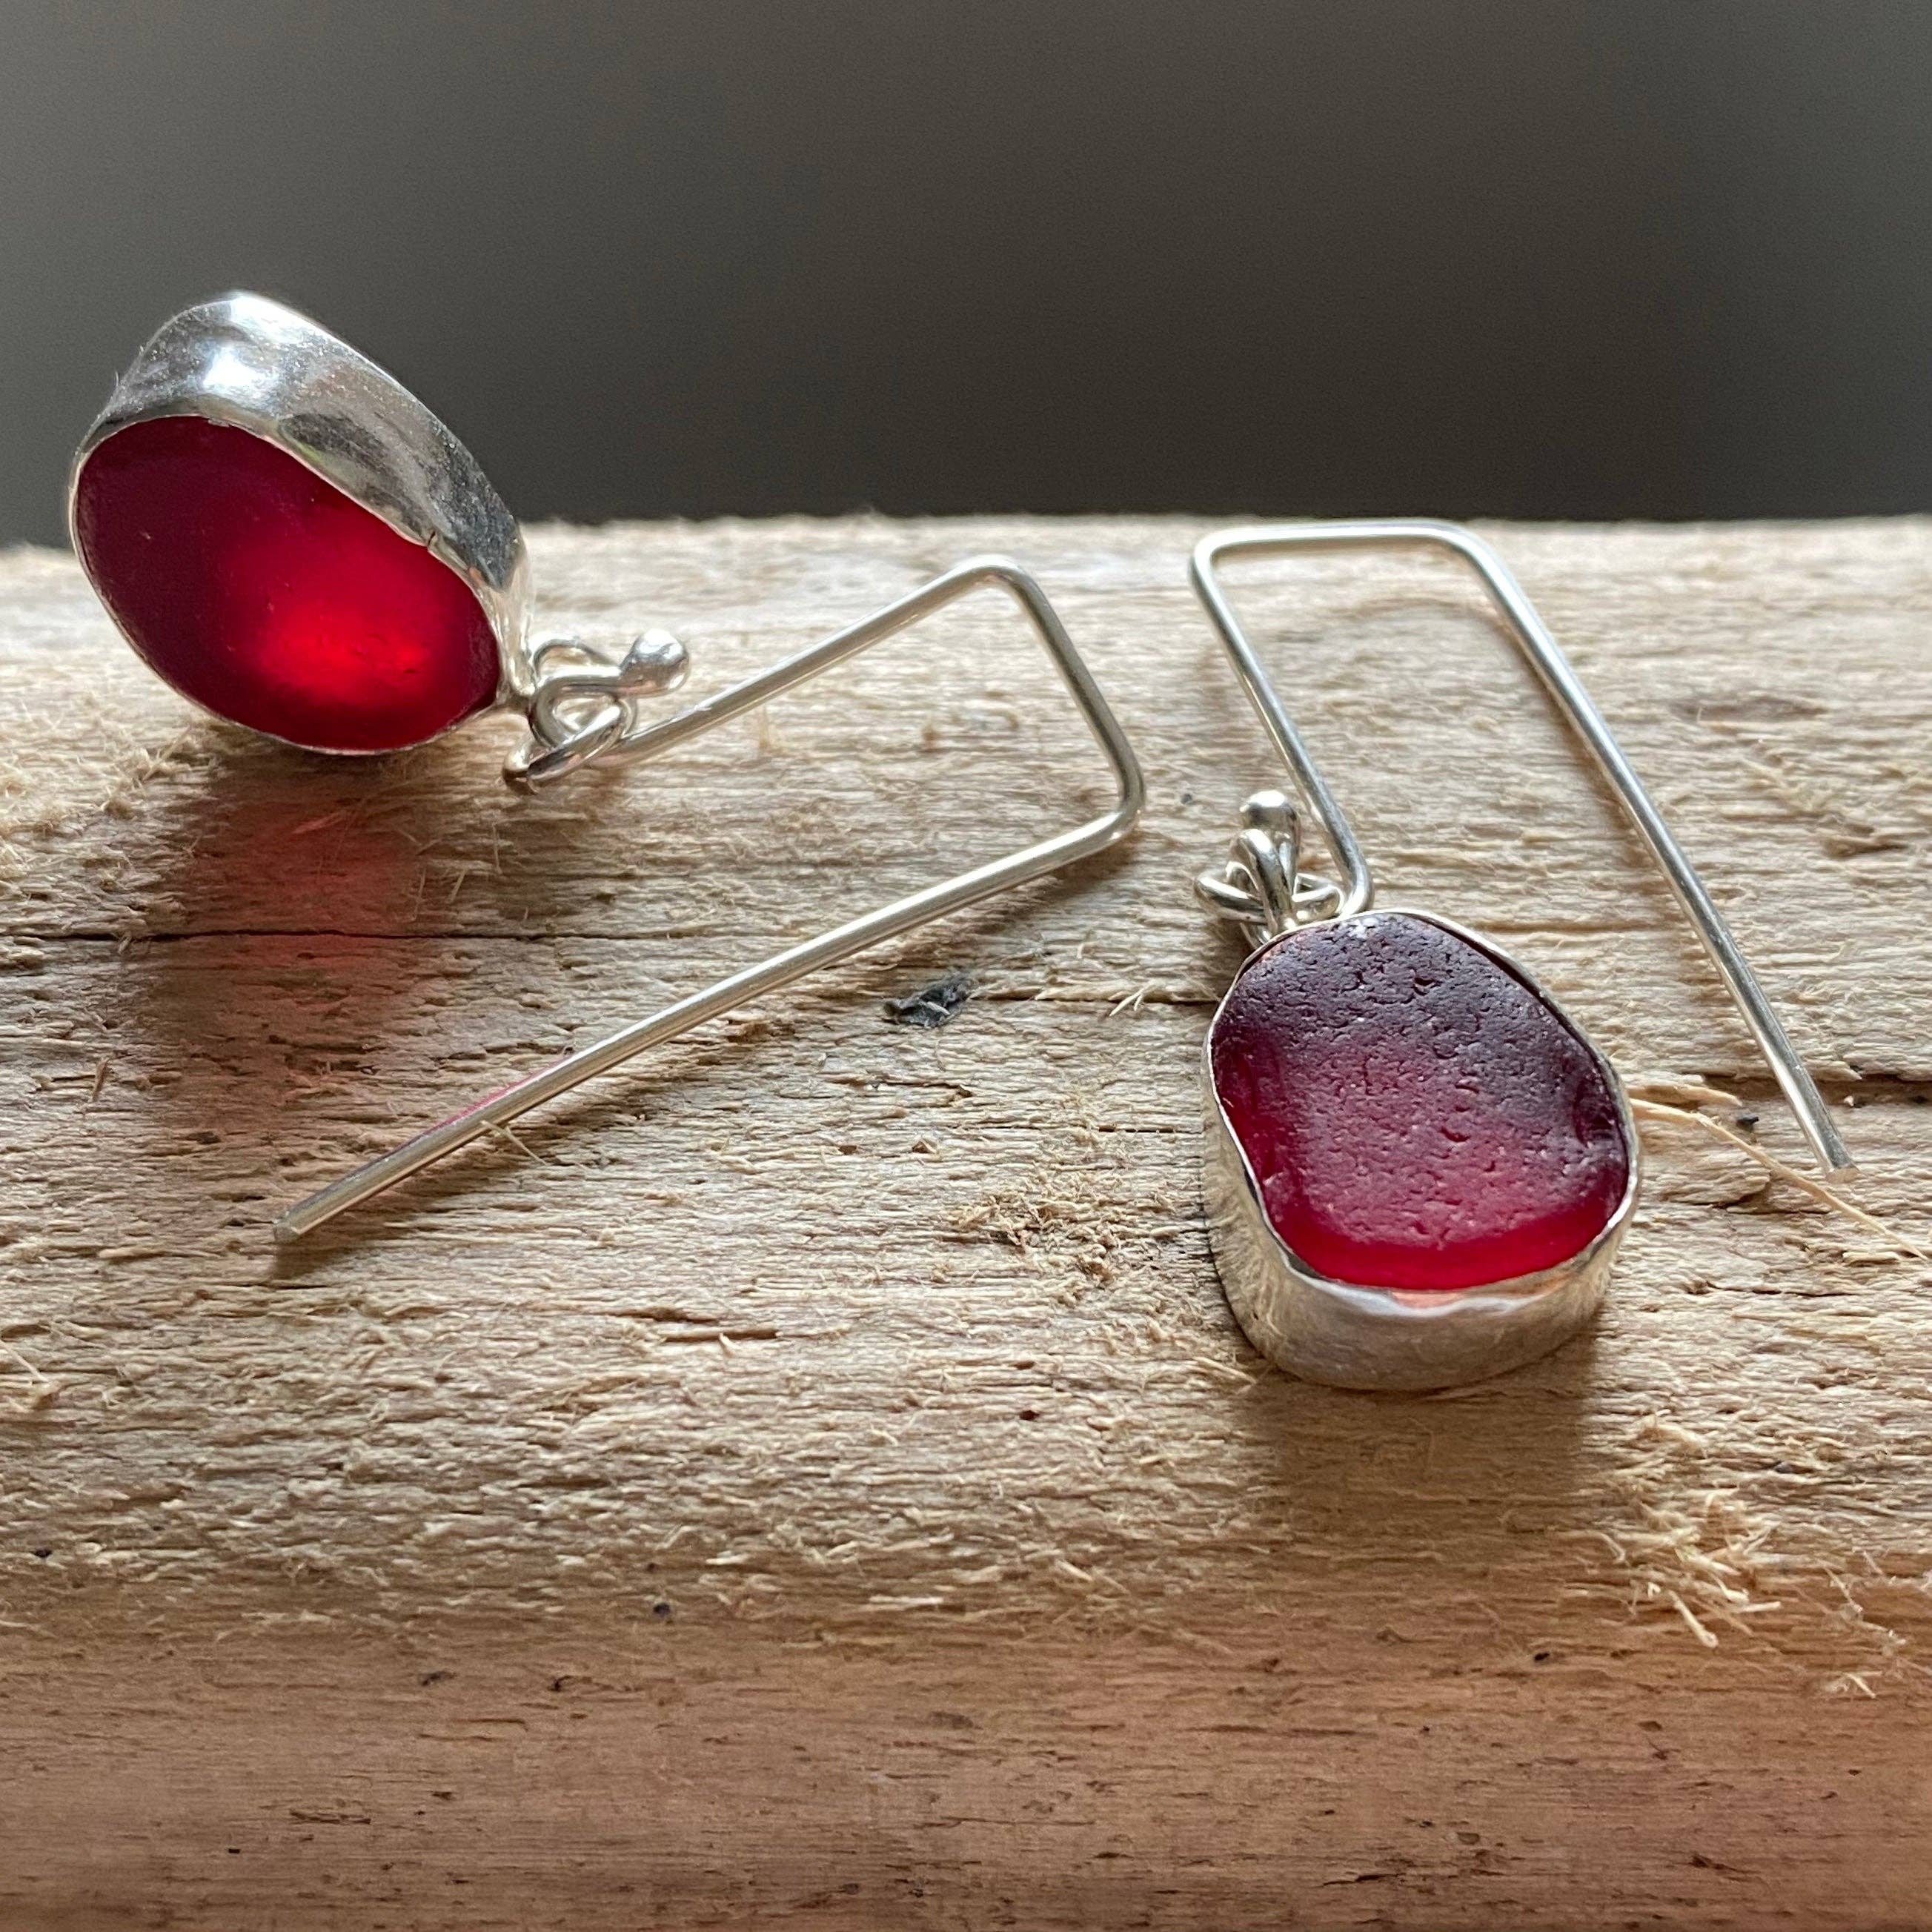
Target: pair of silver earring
x=1417 y=1169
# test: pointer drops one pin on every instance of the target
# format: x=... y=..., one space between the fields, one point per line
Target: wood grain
x=815 y=1473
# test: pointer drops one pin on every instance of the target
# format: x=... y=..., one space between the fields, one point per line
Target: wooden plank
x=817 y=1469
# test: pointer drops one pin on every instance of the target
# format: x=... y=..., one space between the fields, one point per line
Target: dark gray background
x=1465 y=256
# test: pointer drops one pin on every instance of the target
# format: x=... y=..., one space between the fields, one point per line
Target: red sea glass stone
x=1415 y=1115
x=269 y=596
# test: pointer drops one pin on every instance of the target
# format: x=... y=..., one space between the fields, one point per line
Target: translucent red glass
x=266 y=595
x=1416 y=1116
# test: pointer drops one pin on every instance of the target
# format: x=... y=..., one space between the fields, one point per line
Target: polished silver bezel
x=1350 y=1336
x=252 y=363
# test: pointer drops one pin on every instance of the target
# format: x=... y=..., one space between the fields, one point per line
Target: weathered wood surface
x=817 y=1472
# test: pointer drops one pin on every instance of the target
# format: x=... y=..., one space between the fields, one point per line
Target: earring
x=1418 y=1168
x=292 y=540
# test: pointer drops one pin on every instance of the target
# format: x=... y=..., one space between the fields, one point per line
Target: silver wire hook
x=1532 y=637
x=916 y=909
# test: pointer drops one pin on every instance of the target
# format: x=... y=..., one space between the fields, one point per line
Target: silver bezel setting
x=256 y=365
x=1351 y=1336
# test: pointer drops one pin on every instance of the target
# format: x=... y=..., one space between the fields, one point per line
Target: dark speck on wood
x=934 y=1005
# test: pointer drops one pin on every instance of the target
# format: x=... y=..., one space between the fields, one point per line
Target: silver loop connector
x=582 y=704
x=1261 y=887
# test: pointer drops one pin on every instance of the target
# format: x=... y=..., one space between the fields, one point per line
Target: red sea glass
x=267 y=595
x=1415 y=1115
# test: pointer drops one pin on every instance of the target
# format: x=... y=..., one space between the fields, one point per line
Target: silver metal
x=256 y=365
x=583 y=706
x=1350 y=1336
x=1262 y=888
x=1357 y=888
x=916 y=909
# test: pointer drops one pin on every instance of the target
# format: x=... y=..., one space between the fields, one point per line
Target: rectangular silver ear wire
x=1533 y=639
x=902 y=915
